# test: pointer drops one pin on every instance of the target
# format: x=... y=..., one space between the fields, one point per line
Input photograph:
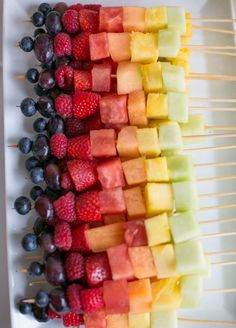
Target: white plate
x=214 y=306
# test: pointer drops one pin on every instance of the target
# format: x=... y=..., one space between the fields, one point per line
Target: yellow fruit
x=157 y=106
x=152 y=77
x=148 y=142
x=139 y=320
x=157 y=169
x=159 y=198
x=156 y=18
x=144 y=47
x=158 y=231
x=165 y=261
x=166 y=294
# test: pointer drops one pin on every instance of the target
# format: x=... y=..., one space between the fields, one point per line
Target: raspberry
x=70 y=21
x=79 y=241
x=62 y=45
x=63 y=105
x=62 y=236
x=64 y=77
x=74 y=266
x=82 y=80
x=53 y=315
x=72 y=294
x=89 y=20
x=72 y=320
x=92 y=299
x=64 y=207
x=74 y=127
x=66 y=182
x=58 y=145
x=80 y=47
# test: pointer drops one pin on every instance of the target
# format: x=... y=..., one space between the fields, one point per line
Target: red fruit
x=77 y=7
x=85 y=104
x=101 y=78
x=62 y=236
x=87 y=65
x=93 y=7
x=64 y=207
x=53 y=315
x=79 y=240
x=89 y=20
x=70 y=21
x=112 y=201
x=99 y=47
x=83 y=174
x=110 y=173
x=74 y=266
x=113 y=109
x=58 y=145
x=62 y=45
x=80 y=47
x=82 y=80
x=66 y=182
x=74 y=127
x=73 y=297
x=79 y=148
x=72 y=320
x=64 y=76
x=97 y=269
x=92 y=299
x=87 y=207
x=64 y=106
x=111 y=19
x=93 y=123
x=135 y=233
x=119 y=303
x=113 y=64
x=103 y=142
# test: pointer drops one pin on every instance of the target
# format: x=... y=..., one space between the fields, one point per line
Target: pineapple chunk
x=156 y=18
x=152 y=77
x=191 y=291
x=139 y=320
x=148 y=142
x=166 y=294
x=157 y=229
x=144 y=47
x=168 y=43
x=157 y=106
x=165 y=261
x=164 y=319
x=159 y=198
x=157 y=169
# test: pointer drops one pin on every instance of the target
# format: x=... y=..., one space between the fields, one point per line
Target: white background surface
x=217 y=306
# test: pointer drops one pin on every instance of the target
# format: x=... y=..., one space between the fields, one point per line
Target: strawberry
x=64 y=106
x=87 y=207
x=58 y=145
x=92 y=299
x=70 y=21
x=74 y=266
x=83 y=174
x=79 y=148
x=79 y=240
x=74 y=127
x=64 y=207
x=80 y=47
x=62 y=236
x=72 y=294
x=64 y=77
x=62 y=45
x=93 y=123
x=97 y=269
x=89 y=20
x=93 y=7
x=66 y=182
x=85 y=104
x=72 y=319
x=53 y=315
x=77 y=7
x=82 y=80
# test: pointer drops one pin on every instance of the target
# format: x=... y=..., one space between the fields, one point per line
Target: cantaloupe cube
x=176 y=19
x=135 y=203
x=128 y=78
x=144 y=47
x=152 y=77
x=158 y=231
x=178 y=106
x=113 y=218
x=166 y=295
x=148 y=142
x=157 y=106
x=169 y=43
x=139 y=320
x=120 y=264
x=120 y=303
x=170 y=138
x=137 y=109
x=165 y=261
x=127 y=142
x=119 y=46
x=180 y=168
x=117 y=321
x=159 y=198
x=173 y=78
x=140 y=296
x=134 y=19
x=191 y=291
x=156 y=18
x=186 y=196
x=142 y=262
x=134 y=171
x=194 y=126
x=95 y=319
x=157 y=169
x=164 y=319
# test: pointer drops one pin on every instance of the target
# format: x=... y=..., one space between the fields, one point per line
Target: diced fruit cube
x=140 y=296
x=159 y=198
x=148 y=142
x=134 y=19
x=195 y=126
x=113 y=218
x=185 y=65
x=98 y=45
x=134 y=171
x=176 y=19
x=170 y=138
x=158 y=231
x=110 y=173
x=135 y=233
x=165 y=261
x=137 y=109
x=152 y=77
x=139 y=320
x=156 y=18
x=96 y=319
x=184 y=226
x=117 y=321
x=166 y=295
x=164 y=319
x=157 y=169
x=127 y=142
x=169 y=43
x=101 y=78
x=121 y=267
x=101 y=238
x=113 y=109
x=157 y=106
x=135 y=203
x=180 y=168
x=144 y=47
x=116 y=297
x=186 y=196
x=119 y=46
x=178 y=106
x=112 y=201
x=103 y=143
x=142 y=262
x=173 y=78
x=128 y=78
x=191 y=291
x=110 y=19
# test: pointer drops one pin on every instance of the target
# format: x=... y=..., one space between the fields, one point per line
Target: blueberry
x=40 y=226
x=32 y=75
x=40 y=314
x=40 y=125
x=39 y=31
x=45 y=106
x=40 y=91
x=35 y=192
x=38 y=19
x=24 y=308
x=55 y=125
x=28 y=107
x=36 y=269
x=42 y=299
x=22 y=205
x=31 y=162
x=37 y=175
x=29 y=242
x=44 y=8
x=26 y=44
x=25 y=145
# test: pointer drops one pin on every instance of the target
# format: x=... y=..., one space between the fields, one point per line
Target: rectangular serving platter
x=215 y=306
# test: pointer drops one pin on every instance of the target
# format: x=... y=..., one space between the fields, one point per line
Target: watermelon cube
x=121 y=267
x=98 y=45
x=135 y=233
x=180 y=168
x=110 y=173
x=137 y=109
x=139 y=320
x=116 y=297
x=178 y=106
x=128 y=149
x=142 y=262
x=166 y=295
x=134 y=171
x=173 y=78
x=170 y=138
x=112 y=201
x=152 y=77
x=191 y=291
x=165 y=261
x=156 y=18
x=113 y=218
x=128 y=78
x=134 y=19
x=113 y=109
x=159 y=198
x=157 y=169
x=135 y=203
x=148 y=142
x=195 y=126
x=101 y=78
x=186 y=196
x=176 y=19
x=164 y=319
x=140 y=296
x=96 y=319
x=158 y=231
x=111 y=19
x=103 y=143
x=144 y=47
x=169 y=43
x=184 y=226
x=119 y=46
x=117 y=321
x=157 y=106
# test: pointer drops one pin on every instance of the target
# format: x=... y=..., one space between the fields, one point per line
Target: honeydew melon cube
x=166 y=295
x=164 y=319
x=194 y=126
x=173 y=78
x=157 y=169
x=152 y=77
x=185 y=65
x=190 y=257
x=157 y=106
x=139 y=320
x=156 y=18
x=178 y=106
x=144 y=47
x=191 y=291
x=158 y=230
x=170 y=138
x=169 y=43
x=176 y=19
x=159 y=198
x=180 y=168
x=148 y=142
x=184 y=226
x=206 y=272
x=165 y=261
x=185 y=196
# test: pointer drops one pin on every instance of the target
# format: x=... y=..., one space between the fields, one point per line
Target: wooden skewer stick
x=223 y=194
x=214 y=322
x=220 y=164
x=211 y=148
x=211 y=135
x=221 y=127
x=38 y=282
x=34 y=257
x=222 y=253
x=218 y=221
x=217 y=207
x=213 y=29
x=229 y=177
x=219 y=234
x=212 y=20
x=211 y=77
x=219 y=109
x=214 y=52
x=227 y=263
x=216 y=100
x=220 y=290
x=23 y=270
